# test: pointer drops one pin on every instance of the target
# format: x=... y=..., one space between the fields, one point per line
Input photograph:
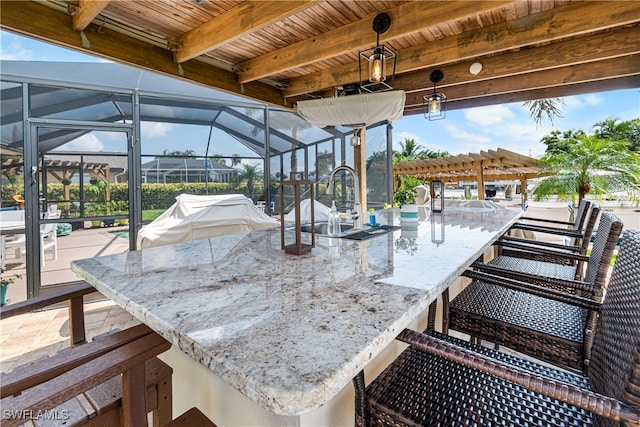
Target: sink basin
x=322 y=227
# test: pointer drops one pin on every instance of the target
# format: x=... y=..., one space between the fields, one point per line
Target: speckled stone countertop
x=290 y=331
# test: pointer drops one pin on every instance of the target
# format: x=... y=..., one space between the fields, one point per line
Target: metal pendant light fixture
x=435 y=107
x=378 y=58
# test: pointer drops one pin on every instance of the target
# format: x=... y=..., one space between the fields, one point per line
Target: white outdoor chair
x=49 y=237
x=12 y=242
x=48 y=241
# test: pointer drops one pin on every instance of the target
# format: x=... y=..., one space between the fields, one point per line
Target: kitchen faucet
x=356 y=214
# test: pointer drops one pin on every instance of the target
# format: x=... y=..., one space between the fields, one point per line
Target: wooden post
x=480 y=180
x=360 y=166
x=134 y=400
x=523 y=190
x=76 y=320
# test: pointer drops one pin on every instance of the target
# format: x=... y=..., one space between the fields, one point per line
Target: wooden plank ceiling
x=280 y=52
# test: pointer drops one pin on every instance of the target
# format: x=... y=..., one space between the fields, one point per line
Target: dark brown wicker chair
x=573 y=229
x=442 y=381
x=532 y=308
x=547 y=251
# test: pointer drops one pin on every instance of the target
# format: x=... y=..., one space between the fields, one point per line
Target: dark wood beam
x=590 y=48
x=356 y=36
x=46 y=24
x=246 y=18
x=538 y=28
x=556 y=77
x=620 y=83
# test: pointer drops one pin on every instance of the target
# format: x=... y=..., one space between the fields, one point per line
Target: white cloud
x=459 y=133
x=593 y=99
x=87 y=143
x=490 y=115
x=582 y=101
x=153 y=129
x=402 y=136
x=15 y=51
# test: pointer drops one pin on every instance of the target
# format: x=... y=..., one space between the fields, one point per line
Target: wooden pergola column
x=523 y=189
x=480 y=180
x=360 y=163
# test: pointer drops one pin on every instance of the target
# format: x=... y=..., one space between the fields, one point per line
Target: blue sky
x=507 y=126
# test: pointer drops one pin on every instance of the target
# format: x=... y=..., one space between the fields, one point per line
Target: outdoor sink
x=322 y=227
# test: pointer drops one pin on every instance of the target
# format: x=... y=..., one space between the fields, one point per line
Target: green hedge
x=156 y=196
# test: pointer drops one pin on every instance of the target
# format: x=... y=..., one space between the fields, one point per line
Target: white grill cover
x=320 y=212
x=355 y=111
x=200 y=217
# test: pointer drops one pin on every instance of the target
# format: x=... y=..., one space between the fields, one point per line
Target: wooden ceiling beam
x=537 y=28
x=37 y=21
x=581 y=73
x=593 y=47
x=620 y=83
x=86 y=12
x=243 y=19
x=351 y=38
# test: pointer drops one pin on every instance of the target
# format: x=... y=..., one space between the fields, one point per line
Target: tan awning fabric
x=355 y=111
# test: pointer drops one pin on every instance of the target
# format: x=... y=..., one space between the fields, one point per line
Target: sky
x=507 y=126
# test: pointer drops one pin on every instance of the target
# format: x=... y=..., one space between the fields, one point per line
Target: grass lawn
x=151 y=214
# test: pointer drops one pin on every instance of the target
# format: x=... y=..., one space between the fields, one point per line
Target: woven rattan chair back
x=588 y=229
x=438 y=381
x=615 y=355
x=581 y=215
x=609 y=230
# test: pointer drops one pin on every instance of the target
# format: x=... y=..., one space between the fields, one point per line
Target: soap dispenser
x=333 y=228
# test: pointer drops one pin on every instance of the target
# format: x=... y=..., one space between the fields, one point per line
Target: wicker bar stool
x=573 y=229
x=547 y=251
x=443 y=381
x=532 y=308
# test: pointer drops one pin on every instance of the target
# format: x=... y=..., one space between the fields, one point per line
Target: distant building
x=165 y=170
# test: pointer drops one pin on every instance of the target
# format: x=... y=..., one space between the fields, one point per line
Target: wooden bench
x=116 y=379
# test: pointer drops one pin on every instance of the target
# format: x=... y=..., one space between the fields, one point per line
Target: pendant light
x=378 y=59
x=435 y=103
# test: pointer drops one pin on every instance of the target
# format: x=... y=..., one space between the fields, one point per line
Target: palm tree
x=411 y=150
x=179 y=153
x=541 y=108
x=218 y=159
x=624 y=131
x=586 y=164
x=433 y=154
x=235 y=160
x=250 y=173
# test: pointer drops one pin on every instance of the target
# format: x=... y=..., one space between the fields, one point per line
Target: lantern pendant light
x=435 y=103
x=378 y=58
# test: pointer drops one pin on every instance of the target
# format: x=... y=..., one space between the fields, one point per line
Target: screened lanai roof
x=102 y=92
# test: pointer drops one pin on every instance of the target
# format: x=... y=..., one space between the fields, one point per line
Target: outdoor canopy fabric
x=320 y=212
x=201 y=217
x=355 y=111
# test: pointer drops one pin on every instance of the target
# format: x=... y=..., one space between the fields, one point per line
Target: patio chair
x=49 y=237
x=11 y=242
x=531 y=309
x=440 y=380
x=547 y=251
x=84 y=380
x=574 y=230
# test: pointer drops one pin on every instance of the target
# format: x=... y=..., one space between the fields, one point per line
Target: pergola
x=490 y=165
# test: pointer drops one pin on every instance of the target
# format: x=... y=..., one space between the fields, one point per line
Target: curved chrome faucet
x=356 y=214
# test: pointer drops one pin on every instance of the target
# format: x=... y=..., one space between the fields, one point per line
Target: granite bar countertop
x=290 y=331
